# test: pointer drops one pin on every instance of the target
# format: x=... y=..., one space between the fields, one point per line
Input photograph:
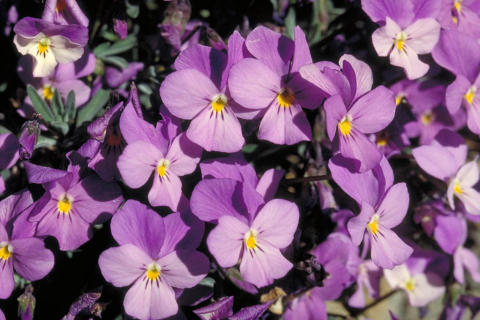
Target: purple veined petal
x=369 y=186
x=276 y=223
x=184 y=268
x=357 y=225
x=358 y=147
x=253 y=85
x=358 y=73
x=311 y=307
x=137 y=224
x=458 y=53
x=187 y=92
x=473 y=121
x=306 y=94
x=327 y=77
x=69 y=229
x=458 y=271
x=3 y=234
x=252 y=312
x=184 y=155
x=233 y=167
x=95 y=200
x=471 y=200
x=115 y=77
x=137 y=162
x=436 y=161
x=123 y=265
x=31 y=259
x=225 y=241
x=335 y=110
x=9 y=150
x=147 y=300
x=268 y=183
x=453 y=144
x=22 y=228
x=12 y=206
x=6 y=278
x=214 y=198
x=64 y=12
x=384 y=38
x=166 y=190
x=428 y=287
x=271 y=48
x=209 y=61
x=456 y=92
x=388 y=250
x=43 y=206
x=469 y=21
x=373 y=111
x=423 y=35
x=449 y=232
x=400 y=12
x=301 y=53
x=471 y=263
x=216 y=131
x=40 y=175
x=468 y=174
x=394 y=206
x=30 y=27
x=82 y=91
x=426 y=9
x=242 y=112
x=217 y=310
x=76 y=70
x=262 y=265
x=237 y=51
x=285 y=125
x=183 y=231
x=407 y=59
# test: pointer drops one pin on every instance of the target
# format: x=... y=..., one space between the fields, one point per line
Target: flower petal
x=184 y=155
x=423 y=35
x=166 y=191
x=388 y=250
x=183 y=231
x=32 y=260
x=184 y=268
x=394 y=206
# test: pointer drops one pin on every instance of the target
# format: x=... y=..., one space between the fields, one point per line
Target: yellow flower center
x=345 y=125
x=285 y=98
x=399 y=98
x=428 y=117
x=400 y=40
x=410 y=284
x=162 y=167
x=382 y=142
x=5 y=252
x=219 y=102
x=43 y=46
x=456 y=188
x=470 y=95
x=153 y=271
x=373 y=225
x=114 y=139
x=458 y=5
x=48 y=92
x=65 y=205
x=251 y=239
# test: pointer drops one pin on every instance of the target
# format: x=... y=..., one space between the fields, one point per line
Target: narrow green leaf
x=4 y=130
x=57 y=106
x=40 y=105
x=61 y=126
x=290 y=22
x=116 y=61
x=93 y=107
x=71 y=108
x=133 y=10
x=45 y=142
x=118 y=47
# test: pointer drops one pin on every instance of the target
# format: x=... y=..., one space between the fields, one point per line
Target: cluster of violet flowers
x=235 y=225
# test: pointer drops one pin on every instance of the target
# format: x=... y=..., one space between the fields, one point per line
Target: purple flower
x=12 y=18
x=368 y=277
x=221 y=309
x=155 y=254
x=64 y=12
x=71 y=203
x=120 y=27
x=49 y=44
x=461 y=15
x=28 y=138
x=199 y=91
x=247 y=228
x=115 y=77
x=272 y=85
x=445 y=159
x=419 y=283
x=408 y=29
x=19 y=249
x=2 y=316
x=9 y=146
x=64 y=78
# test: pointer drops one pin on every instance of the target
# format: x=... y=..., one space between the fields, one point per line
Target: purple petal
x=183 y=231
x=41 y=175
x=276 y=222
x=335 y=110
x=166 y=191
x=401 y=12
x=357 y=225
x=6 y=278
x=449 y=232
x=301 y=54
x=217 y=310
x=9 y=150
x=14 y=205
x=394 y=206
x=358 y=147
x=306 y=94
x=31 y=259
x=76 y=70
x=137 y=163
x=436 y=161
x=426 y=8
x=455 y=93
x=137 y=224
x=225 y=241
x=234 y=167
x=423 y=35
x=268 y=183
x=388 y=250
x=252 y=312
x=116 y=77
x=184 y=155
x=184 y=268
x=359 y=75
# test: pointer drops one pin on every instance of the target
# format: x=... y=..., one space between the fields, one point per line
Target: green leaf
x=4 y=130
x=105 y=49
x=71 y=108
x=249 y=148
x=117 y=61
x=93 y=107
x=57 y=106
x=44 y=142
x=40 y=105
x=61 y=126
x=290 y=22
x=132 y=10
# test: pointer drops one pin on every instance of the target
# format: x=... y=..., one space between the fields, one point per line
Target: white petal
x=65 y=51
x=43 y=63
x=24 y=44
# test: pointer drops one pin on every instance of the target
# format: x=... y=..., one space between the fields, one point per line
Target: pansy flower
x=247 y=229
x=49 y=44
x=155 y=254
x=64 y=12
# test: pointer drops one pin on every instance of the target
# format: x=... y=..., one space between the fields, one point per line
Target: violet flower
x=28 y=138
x=72 y=202
x=247 y=228
x=408 y=29
x=368 y=277
x=9 y=147
x=64 y=12
x=115 y=77
x=445 y=159
x=199 y=91
x=49 y=44
x=19 y=249
x=272 y=85
x=155 y=254
x=461 y=15
x=222 y=309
